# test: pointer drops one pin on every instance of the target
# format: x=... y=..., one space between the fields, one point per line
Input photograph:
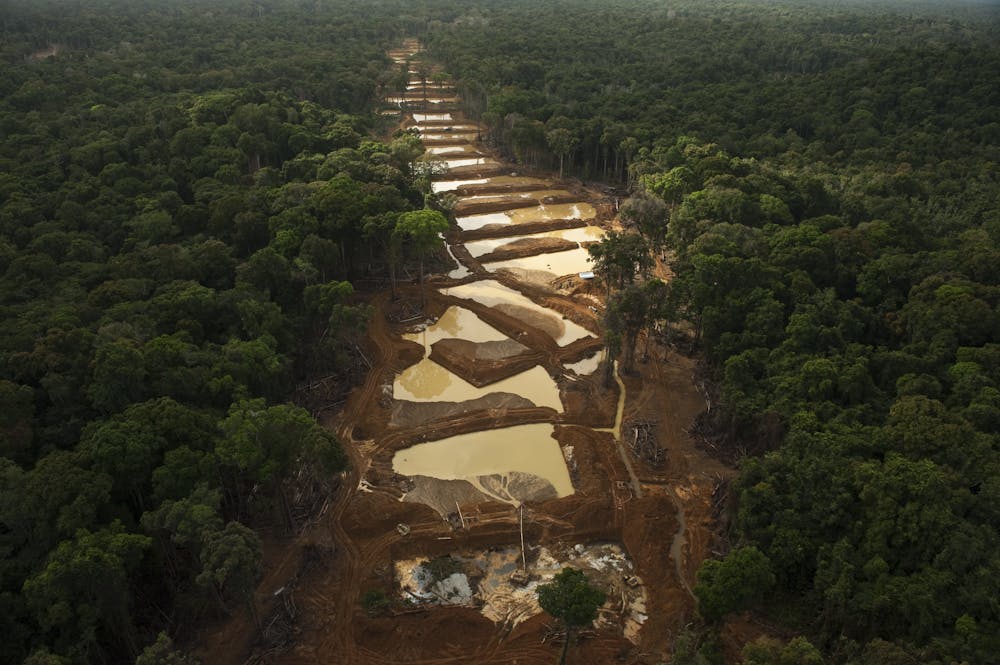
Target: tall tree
x=570 y=598
x=562 y=142
x=620 y=258
x=81 y=596
x=231 y=565
x=424 y=230
x=730 y=584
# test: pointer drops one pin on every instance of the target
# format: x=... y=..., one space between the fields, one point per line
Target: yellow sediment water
x=580 y=234
x=449 y=136
x=494 y=294
x=558 y=263
x=429 y=382
x=555 y=211
x=459 y=323
x=424 y=117
x=539 y=213
x=452 y=150
x=470 y=161
x=513 y=196
x=587 y=366
x=452 y=185
x=522 y=448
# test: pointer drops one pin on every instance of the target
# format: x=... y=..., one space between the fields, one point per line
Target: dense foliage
x=824 y=183
x=186 y=191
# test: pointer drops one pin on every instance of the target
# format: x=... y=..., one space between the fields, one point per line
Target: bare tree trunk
x=423 y=301
x=565 y=649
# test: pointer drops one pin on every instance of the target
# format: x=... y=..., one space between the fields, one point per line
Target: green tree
x=127 y=451
x=562 y=142
x=231 y=565
x=630 y=307
x=570 y=598
x=423 y=229
x=119 y=376
x=266 y=445
x=80 y=596
x=649 y=215
x=16 y=421
x=671 y=186
x=620 y=258
x=163 y=652
x=45 y=657
x=768 y=651
x=730 y=584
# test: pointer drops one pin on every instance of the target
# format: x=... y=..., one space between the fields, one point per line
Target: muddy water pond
x=517 y=180
x=456 y=322
x=429 y=382
x=455 y=136
x=459 y=271
x=470 y=161
x=529 y=449
x=494 y=294
x=514 y=196
x=430 y=86
x=417 y=99
x=452 y=150
x=587 y=366
x=426 y=117
x=452 y=185
x=478 y=248
x=446 y=129
x=539 y=213
x=558 y=263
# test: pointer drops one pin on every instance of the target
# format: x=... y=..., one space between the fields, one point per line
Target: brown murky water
x=523 y=448
x=430 y=86
x=452 y=185
x=587 y=366
x=450 y=136
x=478 y=248
x=540 y=213
x=494 y=294
x=459 y=271
x=446 y=129
x=456 y=322
x=419 y=99
x=545 y=213
x=424 y=117
x=470 y=161
x=558 y=263
x=429 y=382
x=444 y=150
x=514 y=196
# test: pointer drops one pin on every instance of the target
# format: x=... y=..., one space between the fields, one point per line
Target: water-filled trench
x=522 y=452
x=527 y=247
